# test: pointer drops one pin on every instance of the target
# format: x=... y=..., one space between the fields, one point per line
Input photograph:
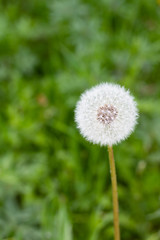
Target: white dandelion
x=106 y=114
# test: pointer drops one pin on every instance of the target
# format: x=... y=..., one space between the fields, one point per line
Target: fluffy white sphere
x=106 y=114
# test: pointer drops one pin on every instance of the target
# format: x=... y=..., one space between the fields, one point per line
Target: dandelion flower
x=106 y=114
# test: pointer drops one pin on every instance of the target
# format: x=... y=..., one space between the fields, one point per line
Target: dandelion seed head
x=106 y=114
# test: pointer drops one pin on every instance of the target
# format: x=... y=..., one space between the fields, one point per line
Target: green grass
x=54 y=185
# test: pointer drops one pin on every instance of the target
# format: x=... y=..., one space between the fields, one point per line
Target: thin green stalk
x=114 y=194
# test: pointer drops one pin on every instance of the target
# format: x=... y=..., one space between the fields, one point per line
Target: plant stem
x=114 y=194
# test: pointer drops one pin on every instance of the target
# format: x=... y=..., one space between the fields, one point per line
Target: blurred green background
x=54 y=185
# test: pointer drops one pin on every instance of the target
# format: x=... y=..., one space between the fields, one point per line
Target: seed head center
x=107 y=114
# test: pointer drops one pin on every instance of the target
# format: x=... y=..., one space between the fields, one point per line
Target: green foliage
x=53 y=184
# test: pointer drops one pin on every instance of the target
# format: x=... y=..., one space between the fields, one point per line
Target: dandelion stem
x=114 y=194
